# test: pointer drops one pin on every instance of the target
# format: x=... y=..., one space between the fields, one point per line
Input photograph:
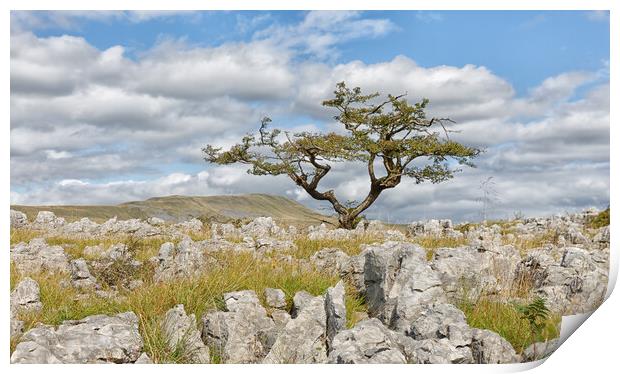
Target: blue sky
x=524 y=47
x=114 y=106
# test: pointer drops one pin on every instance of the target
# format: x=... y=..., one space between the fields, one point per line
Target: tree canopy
x=392 y=137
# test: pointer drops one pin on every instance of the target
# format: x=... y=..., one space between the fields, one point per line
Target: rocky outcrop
x=275 y=298
x=48 y=221
x=335 y=310
x=185 y=260
x=399 y=283
x=81 y=277
x=489 y=348
x=433 y=227
x=26 y=297
x=242 y=334
x=471 y=271
x=94 y=339
x=181 y=334
x=18 y=219
x=303 y=339
x=37 y=256
x=539 y=350
x=331 y=260
x=369 y=342
x=576 y=283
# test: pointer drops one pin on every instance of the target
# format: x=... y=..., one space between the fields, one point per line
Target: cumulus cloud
x=99 y=127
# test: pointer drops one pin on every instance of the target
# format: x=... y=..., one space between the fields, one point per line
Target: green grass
x=600 y=220
x=506 y=320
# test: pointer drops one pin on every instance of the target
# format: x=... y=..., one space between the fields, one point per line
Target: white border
x=593 y=347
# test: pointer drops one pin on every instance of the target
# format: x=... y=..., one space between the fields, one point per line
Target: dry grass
x=430 y=243
x=151 y=301
x=233 y=272
x=352 y=247
x=526 y=244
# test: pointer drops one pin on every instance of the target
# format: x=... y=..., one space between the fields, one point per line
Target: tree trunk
x=347 y=221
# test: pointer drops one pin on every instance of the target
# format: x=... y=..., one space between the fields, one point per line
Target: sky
x=114 y=106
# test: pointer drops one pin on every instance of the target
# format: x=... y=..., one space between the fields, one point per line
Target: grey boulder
x=181 y=333
x=94 y=339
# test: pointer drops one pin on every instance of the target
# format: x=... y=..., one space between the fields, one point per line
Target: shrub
x=600 y=220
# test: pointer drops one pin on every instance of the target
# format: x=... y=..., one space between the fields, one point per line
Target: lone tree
x=388 y=136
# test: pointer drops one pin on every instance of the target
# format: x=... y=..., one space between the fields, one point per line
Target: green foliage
x=536 y=313
x=600 y=220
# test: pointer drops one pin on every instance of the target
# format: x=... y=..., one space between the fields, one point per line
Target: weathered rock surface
x=244 y=333
x=539 y=350
x=303 y=339
x=336 y=310
x=48 y=221
x=181 y=333
x=94 y=339
x=187 y=259
x=438 y=351
x=399 y=283
x=489 y=348
x=26 y=297
x=18 y=219
x=470 y=271
x=369 y=342
x=330 y=260
x=81 y=277
x=275 y=298
x=37 y=256
x=577 y=283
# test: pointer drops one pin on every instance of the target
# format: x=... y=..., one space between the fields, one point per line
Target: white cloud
x=73 y=19
x=321 y=31
x=95 y=116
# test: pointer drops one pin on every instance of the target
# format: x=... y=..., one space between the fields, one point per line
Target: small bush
x=600 y=220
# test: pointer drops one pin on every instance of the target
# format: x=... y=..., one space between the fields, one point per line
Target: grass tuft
x=506 y=320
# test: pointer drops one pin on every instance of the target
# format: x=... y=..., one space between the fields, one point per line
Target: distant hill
x=180 y=208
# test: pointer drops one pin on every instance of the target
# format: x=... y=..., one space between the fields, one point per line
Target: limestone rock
x=18 y=219
x=369 y=342
x=399 y=283
x=144 y=359
x=37 y=256
x=335 y=310
x=26 y=297
x=302 y=341
x=48 y=221
x=438 y=351
x=180 y=332
x=185 y=260
x=489 y=348
x=244 y=333
x=94 y=339
x=275 y=298
x=329 y=260
x=539 y=350
x=300 y=300
x=81 y=277
x=441 y=321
